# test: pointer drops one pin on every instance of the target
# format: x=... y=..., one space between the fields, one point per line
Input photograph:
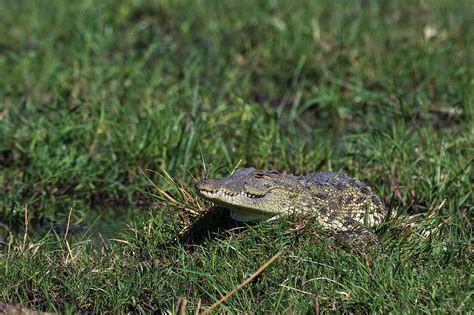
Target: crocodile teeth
x=252 y=195
x=214 y=193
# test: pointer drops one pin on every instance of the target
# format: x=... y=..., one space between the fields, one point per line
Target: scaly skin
x=340 y=203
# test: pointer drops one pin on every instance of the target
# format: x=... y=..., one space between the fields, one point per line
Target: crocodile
x=340 y=203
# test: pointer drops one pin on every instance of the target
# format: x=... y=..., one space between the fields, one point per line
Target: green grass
x=97 y=96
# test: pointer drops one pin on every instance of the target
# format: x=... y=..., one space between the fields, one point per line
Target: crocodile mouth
x=212 y=194
x=244 y=206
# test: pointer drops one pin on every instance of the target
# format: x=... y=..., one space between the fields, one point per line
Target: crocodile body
x=339 y=203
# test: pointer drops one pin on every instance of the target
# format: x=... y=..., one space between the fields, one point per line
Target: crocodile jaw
x=244 y=206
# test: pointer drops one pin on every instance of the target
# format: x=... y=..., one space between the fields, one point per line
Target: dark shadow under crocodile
x=214 y=223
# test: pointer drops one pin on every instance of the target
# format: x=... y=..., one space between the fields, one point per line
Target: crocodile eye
x=258 y=175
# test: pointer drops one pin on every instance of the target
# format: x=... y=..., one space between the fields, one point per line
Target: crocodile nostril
x=199 y=184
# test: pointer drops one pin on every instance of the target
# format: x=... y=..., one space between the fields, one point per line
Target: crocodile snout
x=200 y=184
x=205 y=185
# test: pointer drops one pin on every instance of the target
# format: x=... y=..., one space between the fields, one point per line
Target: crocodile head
x=251 y=194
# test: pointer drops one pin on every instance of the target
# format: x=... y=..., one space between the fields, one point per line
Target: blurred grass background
x=93 y=92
